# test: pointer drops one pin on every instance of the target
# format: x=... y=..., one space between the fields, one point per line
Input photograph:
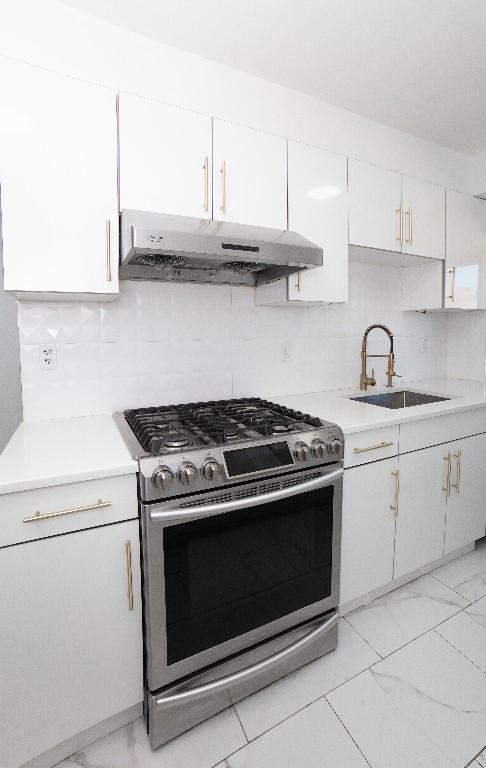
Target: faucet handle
x=372 y=380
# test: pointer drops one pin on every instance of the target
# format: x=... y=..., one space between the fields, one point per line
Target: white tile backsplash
x=161 y=343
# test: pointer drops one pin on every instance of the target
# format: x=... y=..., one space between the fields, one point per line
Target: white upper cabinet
x=165 y=158
x=375 y=196
x=318 y=210
x=249 y=176
x=58 y=163
x=423 y=211
x=465 y=283
x=392 y=212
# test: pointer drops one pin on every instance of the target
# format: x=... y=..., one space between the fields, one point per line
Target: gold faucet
x=366 y=381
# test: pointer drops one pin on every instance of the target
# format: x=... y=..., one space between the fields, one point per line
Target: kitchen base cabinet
x=421 y=509
x=70 y=646
x=368 y=531
x=466 y=504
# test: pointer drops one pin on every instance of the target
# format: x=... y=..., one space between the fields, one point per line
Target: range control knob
x=334 y=447
x=301 y=451
x=162 y=478
x=211 y=469
x=318 y=448
x=187 y=473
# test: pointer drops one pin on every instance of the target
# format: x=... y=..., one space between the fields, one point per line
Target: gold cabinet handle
x=99 y=505
x=447 y=489
x=206 y=184
x=128 y=555
x=108 y=250
x=297 y=284
x=409 y=214
x=383 y=444
x=453 y=284
x=222 y=171
x=457 y=484
x=394 y=507
x=400 y=219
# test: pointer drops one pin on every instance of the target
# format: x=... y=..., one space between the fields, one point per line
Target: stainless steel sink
x=401 y=399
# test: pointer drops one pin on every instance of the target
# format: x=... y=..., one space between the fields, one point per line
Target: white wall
x=162 y=344
x=10 y=389
x=211 y=344
x=466 y=345
x=55 y=36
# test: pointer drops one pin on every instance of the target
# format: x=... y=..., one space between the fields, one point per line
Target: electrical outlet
x=425 y=345
x=286 y=351
x=48 y=357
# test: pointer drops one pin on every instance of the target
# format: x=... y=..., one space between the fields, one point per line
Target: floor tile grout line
x=462 y=654
x=365 y=640
x=349 y=733
x=447 y=585
x=239 y=720
x=412 y=640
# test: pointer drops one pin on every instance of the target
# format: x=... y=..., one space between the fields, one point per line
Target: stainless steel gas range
x=240 y=505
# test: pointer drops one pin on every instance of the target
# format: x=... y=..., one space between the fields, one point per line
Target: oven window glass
x=232 y=573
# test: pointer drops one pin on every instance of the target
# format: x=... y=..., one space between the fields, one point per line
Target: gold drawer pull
x=383 y=444
x=128 y=554
x=99 y=505
x=394 y=507
x=457 y=484
x=108 y=250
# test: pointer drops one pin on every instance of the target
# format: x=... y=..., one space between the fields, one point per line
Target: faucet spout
x=366 y=381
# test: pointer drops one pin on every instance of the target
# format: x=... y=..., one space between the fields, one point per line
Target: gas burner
x=176 y=440
x=205 y=426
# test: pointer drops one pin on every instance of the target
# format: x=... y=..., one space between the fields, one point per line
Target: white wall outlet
x=48 y=357
x=425 y=345
x=286 y=351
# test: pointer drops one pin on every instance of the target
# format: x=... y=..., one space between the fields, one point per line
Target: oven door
x=226 y=570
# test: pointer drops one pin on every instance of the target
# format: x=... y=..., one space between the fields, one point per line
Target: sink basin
x=401 y=399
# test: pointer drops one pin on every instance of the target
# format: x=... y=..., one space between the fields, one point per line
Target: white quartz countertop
x=58 y=451
x=353 y=416
x=54 y=452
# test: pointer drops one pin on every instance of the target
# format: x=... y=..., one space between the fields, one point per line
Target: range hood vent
x=177 y=248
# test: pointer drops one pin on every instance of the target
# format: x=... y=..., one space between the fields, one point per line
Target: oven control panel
x=166 y=476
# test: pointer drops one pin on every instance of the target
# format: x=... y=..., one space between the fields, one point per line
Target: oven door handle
x=191 y=694
x=180 y=514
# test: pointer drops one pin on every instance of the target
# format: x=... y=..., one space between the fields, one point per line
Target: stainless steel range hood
x=161 y=247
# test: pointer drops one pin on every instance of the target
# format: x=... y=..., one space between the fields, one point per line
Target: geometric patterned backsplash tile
x=161 y=343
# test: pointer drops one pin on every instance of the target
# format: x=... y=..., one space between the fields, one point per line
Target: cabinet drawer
x=70 y=507
x=375 y=444
x=441 y=429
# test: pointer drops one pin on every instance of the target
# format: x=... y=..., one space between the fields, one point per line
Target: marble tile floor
x=406 y=688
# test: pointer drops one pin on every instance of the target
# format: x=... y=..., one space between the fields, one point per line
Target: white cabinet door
x=368 y=533
x=375 y=196
x=465 y=284
x=318 y=210
x=249 y=176
x=165 y=158
x=421 y=509
x=466 y=505
x=70 y=648
x=423 y=218
x=58 y=164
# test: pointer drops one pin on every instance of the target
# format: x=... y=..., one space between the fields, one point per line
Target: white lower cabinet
x=394 y=524
x=466 y=504
x=368 y=534
x=70 y=646
x=421 y=509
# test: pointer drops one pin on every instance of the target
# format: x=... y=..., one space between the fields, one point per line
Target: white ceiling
x=417 y=65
